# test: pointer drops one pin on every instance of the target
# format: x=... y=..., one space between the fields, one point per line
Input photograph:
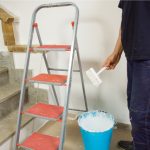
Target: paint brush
x=94 y=76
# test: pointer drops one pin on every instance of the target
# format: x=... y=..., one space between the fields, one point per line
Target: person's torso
x=136 y=29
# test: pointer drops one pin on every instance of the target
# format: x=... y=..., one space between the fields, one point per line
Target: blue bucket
x=95 y=139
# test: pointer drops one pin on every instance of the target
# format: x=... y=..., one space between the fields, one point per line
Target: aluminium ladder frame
x=74 y=48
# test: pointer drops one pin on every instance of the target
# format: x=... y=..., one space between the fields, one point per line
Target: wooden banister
x=8 y=32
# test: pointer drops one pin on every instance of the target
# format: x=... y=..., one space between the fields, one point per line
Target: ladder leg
x=21 y=101
x=23 y=85
x=53 y=88
x=64 y=119
x=66 y=103
x=81 y=75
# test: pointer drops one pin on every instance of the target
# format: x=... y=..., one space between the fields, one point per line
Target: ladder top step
x=51 y=48
x=39 y=141
x=50 y=79
x=46 y=111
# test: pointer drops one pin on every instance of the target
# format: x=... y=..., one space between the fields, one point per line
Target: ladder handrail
x=58 y=4
x=50 y=5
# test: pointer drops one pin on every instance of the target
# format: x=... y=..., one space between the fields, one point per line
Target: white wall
x=98 y=31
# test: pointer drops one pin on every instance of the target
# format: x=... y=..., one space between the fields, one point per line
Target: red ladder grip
x=59 y=120
x=22 y=113
x=30 y=49
x=72 y=23
x=26 y=81
x=35 y=25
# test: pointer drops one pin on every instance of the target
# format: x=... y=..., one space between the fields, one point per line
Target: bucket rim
x=94 y=111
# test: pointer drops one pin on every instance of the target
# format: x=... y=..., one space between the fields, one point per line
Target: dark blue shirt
x=135 y=29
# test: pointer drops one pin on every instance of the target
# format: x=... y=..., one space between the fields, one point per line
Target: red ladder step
x=51 y=48
x=39 y=141
x=50 y=112
x=50 y=79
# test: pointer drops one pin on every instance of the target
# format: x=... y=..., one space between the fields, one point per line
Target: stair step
x=3 y=69
x=9 y=98
x=4 y=77
x=50 y=79
x=8 y=124
x=51 y=48
x=46 y=111
x=39 y=141
x=8 y=91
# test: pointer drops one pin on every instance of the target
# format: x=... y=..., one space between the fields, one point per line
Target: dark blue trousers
x=138 y=95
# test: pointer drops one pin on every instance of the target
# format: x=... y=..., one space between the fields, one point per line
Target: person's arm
x=114 y=58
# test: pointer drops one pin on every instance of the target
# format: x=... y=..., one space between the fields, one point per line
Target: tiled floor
x=73 y=139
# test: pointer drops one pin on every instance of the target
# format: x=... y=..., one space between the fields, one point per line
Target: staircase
x=10 y=79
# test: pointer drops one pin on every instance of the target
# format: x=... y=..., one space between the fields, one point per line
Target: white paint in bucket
x=96 y=121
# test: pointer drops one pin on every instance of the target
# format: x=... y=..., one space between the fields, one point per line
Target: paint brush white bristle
x=94 y=77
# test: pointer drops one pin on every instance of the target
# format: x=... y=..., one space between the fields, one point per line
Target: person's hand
x=112 y=61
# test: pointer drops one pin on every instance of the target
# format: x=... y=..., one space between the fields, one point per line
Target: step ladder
x=46 y=111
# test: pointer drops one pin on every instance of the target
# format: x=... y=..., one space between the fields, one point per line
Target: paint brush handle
x=103 y=69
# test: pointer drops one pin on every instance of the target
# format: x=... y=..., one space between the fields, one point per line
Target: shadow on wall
x=102 y=33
